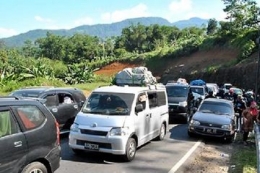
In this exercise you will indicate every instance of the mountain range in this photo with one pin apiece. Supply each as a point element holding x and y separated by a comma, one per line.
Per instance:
<point>101,30</point>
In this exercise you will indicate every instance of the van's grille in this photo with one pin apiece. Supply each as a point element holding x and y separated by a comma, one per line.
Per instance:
<point>93,132</point>
<point>100,145</point>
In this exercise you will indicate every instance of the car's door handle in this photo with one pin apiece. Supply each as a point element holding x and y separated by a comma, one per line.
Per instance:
<point>149,115</point>
<point>54,110</point>
<point>18,144</point>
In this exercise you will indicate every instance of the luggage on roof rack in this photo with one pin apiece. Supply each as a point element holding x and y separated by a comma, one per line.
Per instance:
<point>198,82</point>
<point>138,76</point>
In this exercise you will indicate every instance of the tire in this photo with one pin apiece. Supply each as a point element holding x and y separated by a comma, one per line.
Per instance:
<point>229,139</point>
<point>162,132</point>
<point>130,150</point>
<point>35,167</point>
<point>190,134</point>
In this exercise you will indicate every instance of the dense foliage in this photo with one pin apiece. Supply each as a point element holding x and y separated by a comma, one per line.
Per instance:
<point>73,59</point>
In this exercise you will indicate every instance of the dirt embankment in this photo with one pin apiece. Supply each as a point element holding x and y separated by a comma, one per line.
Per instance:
<point>196,66</point>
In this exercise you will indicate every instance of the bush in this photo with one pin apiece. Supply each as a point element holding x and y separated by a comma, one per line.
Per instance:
<point>13,85</point>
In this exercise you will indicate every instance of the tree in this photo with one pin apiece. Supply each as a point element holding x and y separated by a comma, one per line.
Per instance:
<point>212,26</point>
<point>29,50</point>
<point>241,13</point>
<point>52,46</point>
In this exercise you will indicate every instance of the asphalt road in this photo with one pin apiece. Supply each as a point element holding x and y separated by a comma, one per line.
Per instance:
<point>155,156</point>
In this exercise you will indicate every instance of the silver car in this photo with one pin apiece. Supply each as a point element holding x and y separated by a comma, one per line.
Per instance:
<point>214,118</point>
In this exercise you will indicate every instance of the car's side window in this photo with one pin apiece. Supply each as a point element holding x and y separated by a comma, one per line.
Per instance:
<point>142,99</point>
<point>161,98</point>
<point>51,100</point>
<point>30,116</point>
<point>8,125</point>
<point>153,102</point>
<point>65,98</point>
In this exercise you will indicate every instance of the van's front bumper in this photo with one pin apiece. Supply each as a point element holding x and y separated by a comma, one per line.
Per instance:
<point>176,111</point>
<point>106,144</point>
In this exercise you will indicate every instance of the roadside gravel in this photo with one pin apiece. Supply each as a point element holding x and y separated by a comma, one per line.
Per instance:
<point>210,158</point>
<point>214,156</point>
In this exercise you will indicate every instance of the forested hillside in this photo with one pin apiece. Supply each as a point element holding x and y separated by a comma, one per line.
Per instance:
<point>61,60</point>
<point>102,31</point>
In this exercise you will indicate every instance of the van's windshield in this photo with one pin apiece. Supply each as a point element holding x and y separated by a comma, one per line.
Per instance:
<point>109,103</point>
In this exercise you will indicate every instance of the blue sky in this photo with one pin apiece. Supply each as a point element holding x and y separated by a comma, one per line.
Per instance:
<point>20,16</point>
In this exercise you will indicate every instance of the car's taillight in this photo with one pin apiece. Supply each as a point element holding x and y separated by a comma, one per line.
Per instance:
<point>58,132</point>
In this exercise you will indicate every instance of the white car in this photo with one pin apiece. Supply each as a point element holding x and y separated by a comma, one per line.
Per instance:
<point>118,119</point>
<point>201,90</point>
<point>213,87</point>
<point>226,87</point>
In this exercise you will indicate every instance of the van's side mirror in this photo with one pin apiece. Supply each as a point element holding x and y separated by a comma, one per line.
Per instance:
<point>139,108</point>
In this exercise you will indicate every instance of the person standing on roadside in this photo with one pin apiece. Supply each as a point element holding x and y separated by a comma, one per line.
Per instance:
<point>249,116</point>
<point>240,106</point>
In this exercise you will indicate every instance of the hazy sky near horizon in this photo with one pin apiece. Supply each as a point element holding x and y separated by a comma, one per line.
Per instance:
<point>20,16</point>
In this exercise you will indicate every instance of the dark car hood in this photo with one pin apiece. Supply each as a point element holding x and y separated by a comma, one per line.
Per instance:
<point>176,99</point>
<point>212,118</point>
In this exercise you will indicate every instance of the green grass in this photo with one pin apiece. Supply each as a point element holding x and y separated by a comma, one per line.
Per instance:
<point>90,86</point>
<point>244,157</point>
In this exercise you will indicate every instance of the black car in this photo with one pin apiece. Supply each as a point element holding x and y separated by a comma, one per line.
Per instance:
<point>64,103</point>
<point>179,100</point>
<point>214,118</point>
<point>29,137</point>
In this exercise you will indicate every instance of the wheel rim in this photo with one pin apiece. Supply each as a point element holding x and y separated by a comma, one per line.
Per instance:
<point>36,171</point>
<point>132,149</point>
<point>162,131</point>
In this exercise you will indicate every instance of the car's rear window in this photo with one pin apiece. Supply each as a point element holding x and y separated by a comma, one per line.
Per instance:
<point>30,116</point>
<point>24,93</point>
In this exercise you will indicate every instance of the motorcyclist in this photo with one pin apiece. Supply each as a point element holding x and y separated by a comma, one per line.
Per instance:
<point>210,95</point>
<point>229,95</point>
<point>239,106</point>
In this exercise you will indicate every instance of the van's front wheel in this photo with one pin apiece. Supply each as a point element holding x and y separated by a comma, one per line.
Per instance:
<point>162,132</point>
<point>130,150</point>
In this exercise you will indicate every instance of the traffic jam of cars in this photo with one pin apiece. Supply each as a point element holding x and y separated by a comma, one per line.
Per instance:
<point>112,119</point>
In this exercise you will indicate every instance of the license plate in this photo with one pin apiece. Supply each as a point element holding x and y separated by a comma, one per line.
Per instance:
<point>211,130</point>
<point>91,146</point>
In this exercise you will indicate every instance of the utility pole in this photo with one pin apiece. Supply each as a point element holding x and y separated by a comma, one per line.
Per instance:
<point>258,60</point>
<point>257,65</point>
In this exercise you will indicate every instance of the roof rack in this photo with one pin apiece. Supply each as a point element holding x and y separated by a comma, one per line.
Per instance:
<point>32,87</point>
<point>10,97</point>
<point>156,86</point>
<point>23,98</point>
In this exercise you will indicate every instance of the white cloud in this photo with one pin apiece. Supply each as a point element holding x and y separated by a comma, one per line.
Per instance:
<point>180,6</point>
<point>84,21</point>
<point>138,11</point>
<point>4,32</point>
<point>41,19</point>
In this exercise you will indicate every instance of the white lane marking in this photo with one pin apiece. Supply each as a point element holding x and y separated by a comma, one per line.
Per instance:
<point>184,158</point>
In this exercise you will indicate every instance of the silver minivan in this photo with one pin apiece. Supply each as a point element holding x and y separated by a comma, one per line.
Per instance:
<point>119,119</point>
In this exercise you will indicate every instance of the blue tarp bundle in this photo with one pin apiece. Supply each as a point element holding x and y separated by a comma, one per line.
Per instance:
<point>198,82</point>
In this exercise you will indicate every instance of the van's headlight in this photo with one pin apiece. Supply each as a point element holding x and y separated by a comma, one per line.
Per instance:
<point>226,127</point>
<point>74,127</point>
<point>119,131</point>
<point>183,104</point>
